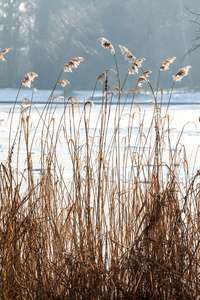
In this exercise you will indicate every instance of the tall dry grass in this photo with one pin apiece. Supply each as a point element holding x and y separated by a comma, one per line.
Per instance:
<point>124,227</point>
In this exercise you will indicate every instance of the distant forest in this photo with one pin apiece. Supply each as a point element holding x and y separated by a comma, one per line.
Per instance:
<point>44,34</point>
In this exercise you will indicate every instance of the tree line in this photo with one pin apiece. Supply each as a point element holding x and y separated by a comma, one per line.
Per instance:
<point>44,34</point>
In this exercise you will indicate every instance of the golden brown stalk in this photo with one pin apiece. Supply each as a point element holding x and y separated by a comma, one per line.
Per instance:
<point>91,103</point>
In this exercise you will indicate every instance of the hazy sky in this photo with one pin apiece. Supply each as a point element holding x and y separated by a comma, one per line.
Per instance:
<point>52,34</point>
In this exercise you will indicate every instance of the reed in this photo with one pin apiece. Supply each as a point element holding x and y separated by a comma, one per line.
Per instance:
<point>124,226</point>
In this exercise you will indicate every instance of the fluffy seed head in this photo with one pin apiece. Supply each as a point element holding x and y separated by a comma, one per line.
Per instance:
<point>106,44</point>
<point>133,69</point>
<point>137,63</point>
<point>73,63</point>
<point>146,73</point>
<point>2,52</point>
<point>127,54</point>
<point>181,73</point>
<point>28,78</point>
<point>32,75</point>
<point>63,82</point>
<point>26,81</point>
<point>2,58</point>
<point>142,79</point>
<point>166,63</point>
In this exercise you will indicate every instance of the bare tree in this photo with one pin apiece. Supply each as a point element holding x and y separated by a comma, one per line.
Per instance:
<point>196,40</point>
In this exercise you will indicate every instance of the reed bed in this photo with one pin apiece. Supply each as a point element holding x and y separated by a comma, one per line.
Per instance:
<point>126,226</point>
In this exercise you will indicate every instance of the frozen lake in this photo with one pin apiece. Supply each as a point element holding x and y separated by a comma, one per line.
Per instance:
<point>184,110</point>
<point>183,98</point>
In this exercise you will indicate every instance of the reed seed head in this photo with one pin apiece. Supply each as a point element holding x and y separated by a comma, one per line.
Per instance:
<point>166,63</point>
<point>62,82</point>
<point>181,73</point>
<point>2,58</point>
<point>2,52</point>
<point>26,81</point>
<point>146,73</point>
<point>107,45</point>
<point>137,63</point>
<point>141,80</point>
<point>28,78</point>
<point>32,75</point>
<point>127,54</point>
<point>73,63</point>
<point>133,69</point>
